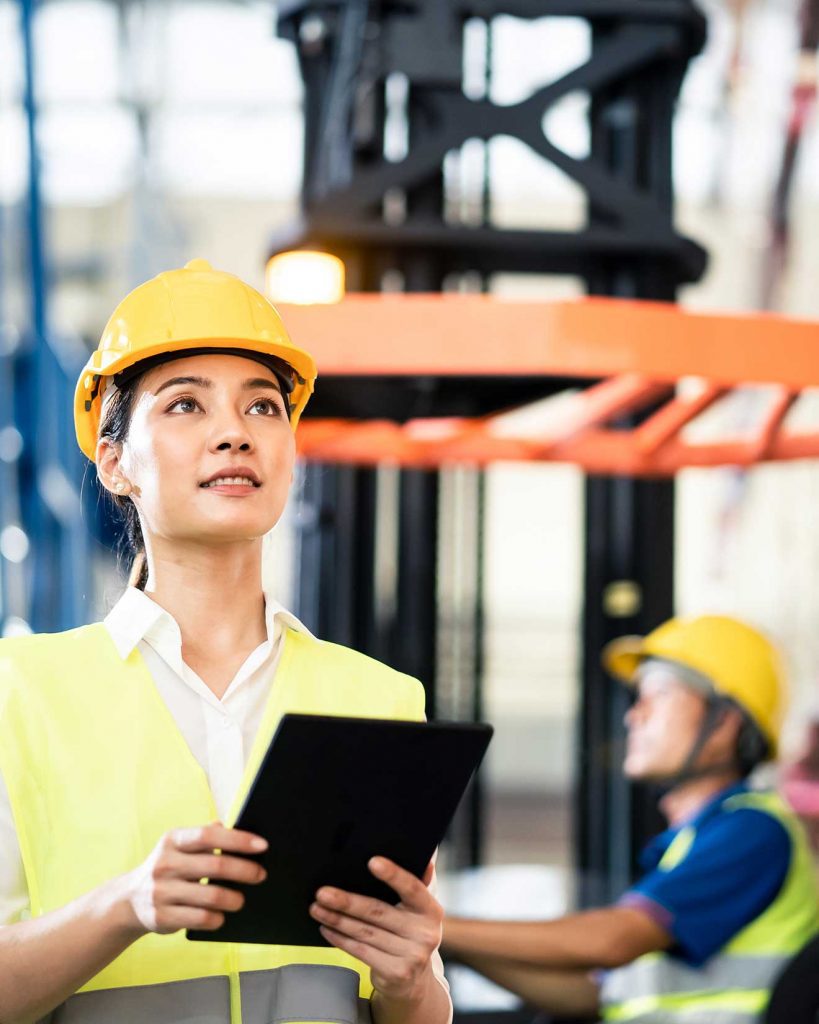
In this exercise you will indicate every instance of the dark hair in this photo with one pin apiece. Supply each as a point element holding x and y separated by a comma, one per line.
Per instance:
<point>115,423</point>
<point>753,747</point>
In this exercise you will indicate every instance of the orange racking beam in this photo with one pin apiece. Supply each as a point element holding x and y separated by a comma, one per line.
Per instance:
<point>641,349</point>
<point>674,415</point>
<point>415,335</point>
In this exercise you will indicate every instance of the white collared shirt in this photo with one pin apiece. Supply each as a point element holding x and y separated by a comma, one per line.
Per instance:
<point>220,733</point>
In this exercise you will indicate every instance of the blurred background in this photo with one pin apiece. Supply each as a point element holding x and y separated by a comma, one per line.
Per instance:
<point>138,134</point>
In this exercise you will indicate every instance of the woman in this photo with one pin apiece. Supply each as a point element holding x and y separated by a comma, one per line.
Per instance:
<point>120,741</point>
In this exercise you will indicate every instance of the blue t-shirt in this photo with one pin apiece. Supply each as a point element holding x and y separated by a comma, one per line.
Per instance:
<point>733,870</point>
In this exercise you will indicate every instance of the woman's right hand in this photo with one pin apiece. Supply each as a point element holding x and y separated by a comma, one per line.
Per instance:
<point>165,893</point>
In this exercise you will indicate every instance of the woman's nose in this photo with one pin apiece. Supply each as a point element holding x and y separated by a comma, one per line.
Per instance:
<point>230,434</point>
<point>226,445</point>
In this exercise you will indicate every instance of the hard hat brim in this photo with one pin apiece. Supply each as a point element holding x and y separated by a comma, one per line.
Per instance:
<point>621,658</point>
<point>88,397</point>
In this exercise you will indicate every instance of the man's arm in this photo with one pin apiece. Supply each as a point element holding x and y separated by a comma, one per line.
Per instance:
<point>609,937</point>
<point>565,993</point>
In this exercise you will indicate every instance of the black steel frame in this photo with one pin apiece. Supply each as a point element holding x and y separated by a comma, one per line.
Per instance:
<point>384,215</point>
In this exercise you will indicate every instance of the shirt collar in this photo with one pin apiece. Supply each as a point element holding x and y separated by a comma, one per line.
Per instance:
<point>654,850</point>
<point>714,805</point>
<point>137,617</point>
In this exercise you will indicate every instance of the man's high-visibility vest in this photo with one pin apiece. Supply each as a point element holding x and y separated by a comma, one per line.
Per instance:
<point>97,771</point>
<point>734,986</point>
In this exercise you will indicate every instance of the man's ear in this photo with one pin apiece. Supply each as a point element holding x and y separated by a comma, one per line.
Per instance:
<point>729,727</point>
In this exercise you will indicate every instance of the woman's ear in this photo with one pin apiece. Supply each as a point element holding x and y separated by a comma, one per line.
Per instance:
<point>108,471</point>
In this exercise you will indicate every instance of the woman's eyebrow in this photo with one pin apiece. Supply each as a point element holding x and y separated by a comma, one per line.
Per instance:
<point>261,382</point>
<point>201,382</point>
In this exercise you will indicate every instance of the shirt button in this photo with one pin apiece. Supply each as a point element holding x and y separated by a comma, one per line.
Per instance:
<point>226,722</point>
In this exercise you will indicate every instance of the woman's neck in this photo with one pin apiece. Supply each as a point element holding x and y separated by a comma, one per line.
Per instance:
<point>215,595</point>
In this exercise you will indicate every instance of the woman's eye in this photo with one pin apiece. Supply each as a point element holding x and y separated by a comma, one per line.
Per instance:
<point>183,405</point>
<point>267,407</point>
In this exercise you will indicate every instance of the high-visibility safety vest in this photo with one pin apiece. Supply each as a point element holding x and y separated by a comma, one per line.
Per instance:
<point>97,771</point>
<point>734,985</point>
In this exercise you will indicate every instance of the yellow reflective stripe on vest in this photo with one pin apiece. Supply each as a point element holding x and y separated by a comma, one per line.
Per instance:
<point>298,992</point>
<point>712,1008</point>
<point>678,849</point>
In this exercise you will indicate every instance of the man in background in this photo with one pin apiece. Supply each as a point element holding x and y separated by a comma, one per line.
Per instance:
<point>728,892</point>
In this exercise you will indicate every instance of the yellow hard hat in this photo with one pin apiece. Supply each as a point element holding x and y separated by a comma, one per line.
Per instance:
<point>737,659</point>
<point>193,308</point>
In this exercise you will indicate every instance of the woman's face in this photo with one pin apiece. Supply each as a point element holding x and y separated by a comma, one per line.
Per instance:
<point>209,452</point>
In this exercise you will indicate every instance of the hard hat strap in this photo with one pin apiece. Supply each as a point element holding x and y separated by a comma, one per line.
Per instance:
<point>714,713</point>
<point>94,392</point>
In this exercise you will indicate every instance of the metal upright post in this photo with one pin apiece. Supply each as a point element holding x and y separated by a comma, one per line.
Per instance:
<point>629,537</point>
<point>336,528</point>
<point>335,593</point>
<point>58,560</point>
<point>38,524</point>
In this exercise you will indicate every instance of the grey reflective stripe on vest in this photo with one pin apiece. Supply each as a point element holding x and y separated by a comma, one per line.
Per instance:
<point>663,976</point>
<point>200,1001</point>
<point>296,992</point>
<point>329,993</point>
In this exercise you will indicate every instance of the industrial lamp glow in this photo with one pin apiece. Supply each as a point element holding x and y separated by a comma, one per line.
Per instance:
<point>305,278</point>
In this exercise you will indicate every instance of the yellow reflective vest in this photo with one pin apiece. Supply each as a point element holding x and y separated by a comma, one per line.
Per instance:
<point>97,771</point>
<point>733,986</point>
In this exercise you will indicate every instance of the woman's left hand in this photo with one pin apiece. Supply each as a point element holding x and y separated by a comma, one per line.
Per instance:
<point>396,943</point>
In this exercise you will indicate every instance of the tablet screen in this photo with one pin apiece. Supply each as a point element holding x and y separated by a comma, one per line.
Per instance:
<point>333,792</point>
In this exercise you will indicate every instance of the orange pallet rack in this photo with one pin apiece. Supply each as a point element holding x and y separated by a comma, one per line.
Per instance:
<point>638,351</point>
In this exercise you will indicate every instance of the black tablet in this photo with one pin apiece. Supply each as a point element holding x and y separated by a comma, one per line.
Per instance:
<point>333,792</point>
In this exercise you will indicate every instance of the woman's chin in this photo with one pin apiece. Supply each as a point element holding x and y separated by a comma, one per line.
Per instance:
<point>223,532</point>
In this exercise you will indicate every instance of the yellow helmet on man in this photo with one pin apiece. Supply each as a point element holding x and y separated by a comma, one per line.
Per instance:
<point>738,660</point>
<point>193,309</point>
